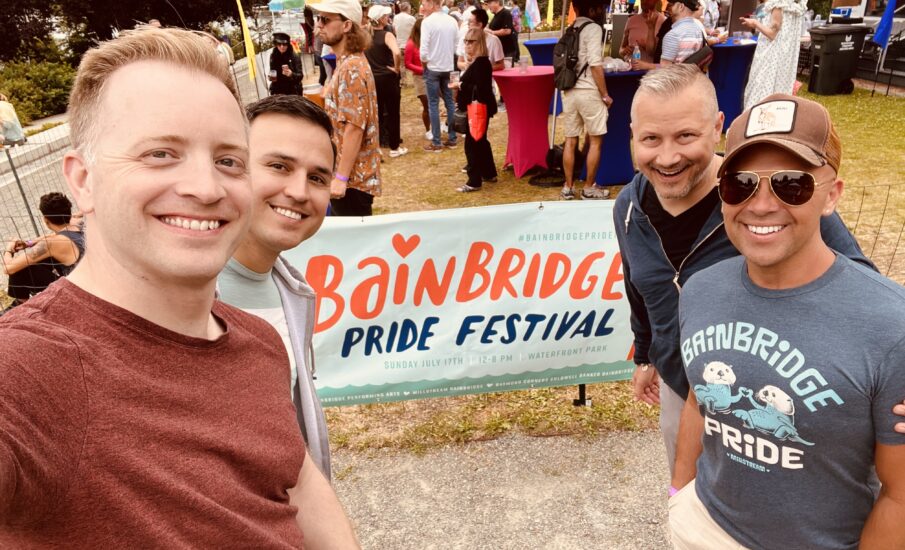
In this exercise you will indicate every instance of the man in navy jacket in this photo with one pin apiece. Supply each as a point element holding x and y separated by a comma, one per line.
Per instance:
<point>669,226</point>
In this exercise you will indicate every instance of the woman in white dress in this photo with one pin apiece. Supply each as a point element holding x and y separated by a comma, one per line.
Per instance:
<point>776,57</point>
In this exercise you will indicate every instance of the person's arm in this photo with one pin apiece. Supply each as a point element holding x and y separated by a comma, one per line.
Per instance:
<point>770,29</point>
<point>645,384</point>
<point>320,516</point>
<point>413,59</point>
<point>624,49</point>
<point>670,49</point>
<point>653,27</point>
<point>600,81</point>
<point>425,42</point>
<point>884,524</point>
<point>14,263</point>
<point>688,444</point>
<point>391,43</point>
<point>355,119</point>
<point>352,140</point>
<point>506,22</point>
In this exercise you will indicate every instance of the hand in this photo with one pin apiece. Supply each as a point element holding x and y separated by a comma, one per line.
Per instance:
<point>628,50</point>
<point>338,188</point>
<point>900,410</point>
<point>646,385</point>
<point>608,101</point>
<point>454,85</point>
<point>394,69</point>
<point>18,245</point>
<point>287,71</point>
<point>642,66</point>
<point>748,22</point>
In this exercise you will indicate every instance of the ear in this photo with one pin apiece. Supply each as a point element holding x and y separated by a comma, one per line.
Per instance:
<point>718,128</point>
<point>76,170</point>
<point>833,196</point>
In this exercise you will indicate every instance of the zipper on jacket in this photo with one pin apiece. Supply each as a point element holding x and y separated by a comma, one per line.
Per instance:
<point>675,279</point>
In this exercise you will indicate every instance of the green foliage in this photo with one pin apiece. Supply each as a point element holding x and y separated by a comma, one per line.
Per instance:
<point>237,41</point>
<point>24,29</point>
<point>37,90</point>
<point>821,7</point>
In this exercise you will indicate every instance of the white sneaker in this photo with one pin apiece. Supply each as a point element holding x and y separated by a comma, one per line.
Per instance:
<point>398,152</point>
<point>428,135</point>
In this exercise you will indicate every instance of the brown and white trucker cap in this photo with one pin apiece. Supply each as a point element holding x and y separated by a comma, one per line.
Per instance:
<point>800,126</point>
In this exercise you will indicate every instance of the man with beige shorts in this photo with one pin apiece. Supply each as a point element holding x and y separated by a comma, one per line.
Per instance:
<point>584,107</point>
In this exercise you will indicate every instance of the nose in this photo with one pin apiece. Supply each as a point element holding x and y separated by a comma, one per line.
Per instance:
<point>763,201</point>
<point>297,188</point>
<point>668,155</point>
<point>203,182</point>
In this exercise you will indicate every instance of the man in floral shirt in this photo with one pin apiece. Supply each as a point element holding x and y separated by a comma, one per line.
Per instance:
<point>351,102</point>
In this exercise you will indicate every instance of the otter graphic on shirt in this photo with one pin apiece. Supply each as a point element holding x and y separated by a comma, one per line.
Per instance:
<point>736,358</point>
<point>717,394</point>
<point>775,416</point>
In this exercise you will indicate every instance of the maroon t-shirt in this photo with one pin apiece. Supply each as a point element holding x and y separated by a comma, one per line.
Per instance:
<point>116,432</point>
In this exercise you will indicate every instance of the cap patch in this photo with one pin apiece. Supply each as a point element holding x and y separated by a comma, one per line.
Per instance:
<point>773,117</point>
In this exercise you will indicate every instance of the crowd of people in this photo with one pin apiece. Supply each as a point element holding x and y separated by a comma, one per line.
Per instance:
<point>767,338</point>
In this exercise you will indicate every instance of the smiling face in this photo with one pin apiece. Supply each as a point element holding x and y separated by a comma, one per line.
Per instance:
<point>781,243</point>
<point>168,194</point>
<point>291,169</point>
<point>673,144</point>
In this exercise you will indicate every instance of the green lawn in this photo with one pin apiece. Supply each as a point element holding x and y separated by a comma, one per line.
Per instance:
<point>873,134</point>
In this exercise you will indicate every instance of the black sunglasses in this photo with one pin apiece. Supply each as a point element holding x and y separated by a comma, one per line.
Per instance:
<point>323,19</point>
<point>792,187</point>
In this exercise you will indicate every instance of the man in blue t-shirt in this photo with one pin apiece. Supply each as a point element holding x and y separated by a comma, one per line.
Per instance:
<point>795,356</point>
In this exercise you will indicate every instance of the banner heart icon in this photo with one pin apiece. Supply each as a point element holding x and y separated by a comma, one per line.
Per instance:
<point>405,246</point>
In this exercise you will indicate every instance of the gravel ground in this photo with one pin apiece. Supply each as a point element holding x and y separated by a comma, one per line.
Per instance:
<point>515,492</point>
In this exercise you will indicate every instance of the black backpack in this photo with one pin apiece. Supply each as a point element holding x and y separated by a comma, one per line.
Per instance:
<point>565,58</point>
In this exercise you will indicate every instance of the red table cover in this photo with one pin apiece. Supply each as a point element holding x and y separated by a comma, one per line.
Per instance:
<point>527,97</point>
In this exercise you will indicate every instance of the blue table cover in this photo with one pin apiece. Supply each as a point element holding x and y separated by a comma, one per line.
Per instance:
<point>729,74</point>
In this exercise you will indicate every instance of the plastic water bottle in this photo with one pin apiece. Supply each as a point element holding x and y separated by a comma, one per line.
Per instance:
<point>636,53</point>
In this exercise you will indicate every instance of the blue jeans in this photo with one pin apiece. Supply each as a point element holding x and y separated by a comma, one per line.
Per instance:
<point>435,83</point>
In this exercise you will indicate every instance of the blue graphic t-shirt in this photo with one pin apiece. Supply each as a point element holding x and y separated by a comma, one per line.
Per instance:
<point>796,387</point>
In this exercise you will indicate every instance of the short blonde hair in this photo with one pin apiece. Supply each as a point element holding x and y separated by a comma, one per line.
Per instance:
<point>178,47</point>
<point>671,80</point>
<point>480,41</point>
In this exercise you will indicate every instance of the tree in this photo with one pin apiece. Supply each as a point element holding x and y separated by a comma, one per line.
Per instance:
<point>99,18</point>
<point>25,29</point>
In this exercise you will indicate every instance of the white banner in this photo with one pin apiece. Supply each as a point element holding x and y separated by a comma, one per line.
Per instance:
<point>438,303</point>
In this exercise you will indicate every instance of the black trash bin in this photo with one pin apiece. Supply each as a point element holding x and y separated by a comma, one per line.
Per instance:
<point>834,58</point>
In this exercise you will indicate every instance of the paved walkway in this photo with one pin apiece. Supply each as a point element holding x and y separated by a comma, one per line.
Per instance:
<point>516,492</point>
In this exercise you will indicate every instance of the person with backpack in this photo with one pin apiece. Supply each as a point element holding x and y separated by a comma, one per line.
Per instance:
<point>578,72</point>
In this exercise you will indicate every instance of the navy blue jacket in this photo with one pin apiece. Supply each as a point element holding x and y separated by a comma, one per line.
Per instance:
<point>652,284</point>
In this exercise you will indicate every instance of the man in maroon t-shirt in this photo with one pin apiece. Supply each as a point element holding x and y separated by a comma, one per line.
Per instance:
<point>135,410</point>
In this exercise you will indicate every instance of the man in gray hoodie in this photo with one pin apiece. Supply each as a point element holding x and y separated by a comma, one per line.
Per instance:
<point>291,165</point>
